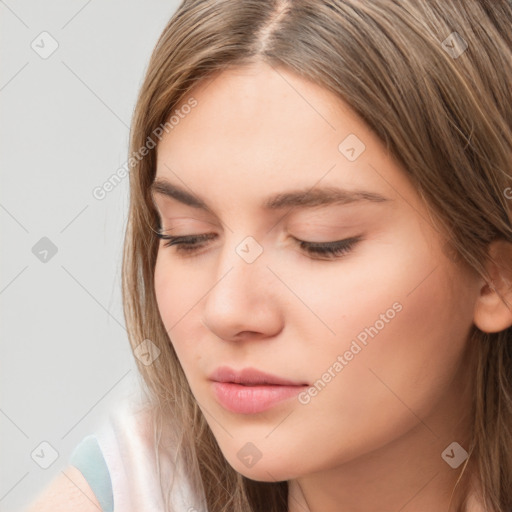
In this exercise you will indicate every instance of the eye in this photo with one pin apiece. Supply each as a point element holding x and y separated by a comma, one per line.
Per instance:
<point>330,250</point>
<point>189,244</point>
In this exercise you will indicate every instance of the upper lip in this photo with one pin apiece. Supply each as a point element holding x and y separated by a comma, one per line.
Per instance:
<point>250,376</point>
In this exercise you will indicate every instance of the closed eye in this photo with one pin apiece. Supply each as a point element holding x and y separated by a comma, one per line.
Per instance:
<point>189,245</point>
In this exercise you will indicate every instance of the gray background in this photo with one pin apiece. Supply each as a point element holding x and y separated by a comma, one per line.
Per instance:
<point>65,357</point>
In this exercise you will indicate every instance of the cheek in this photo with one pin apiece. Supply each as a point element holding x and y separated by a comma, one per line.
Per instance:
<point>401,329</point>
<point>176,296</point>
<point>166,290</point>
<point>177,290</point>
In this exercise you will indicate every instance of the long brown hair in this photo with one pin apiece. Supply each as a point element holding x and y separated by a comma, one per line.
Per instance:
<point>433,80</point>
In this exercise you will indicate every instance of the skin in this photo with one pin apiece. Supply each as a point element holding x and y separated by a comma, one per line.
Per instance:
<point>372,438</point>
<point>68,491</point>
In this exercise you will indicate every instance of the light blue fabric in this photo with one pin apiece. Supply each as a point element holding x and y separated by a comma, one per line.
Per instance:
<point>87,457</point>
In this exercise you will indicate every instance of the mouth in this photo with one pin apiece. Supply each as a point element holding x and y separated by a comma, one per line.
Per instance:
<point>251,391</point>
<point>251,377</point>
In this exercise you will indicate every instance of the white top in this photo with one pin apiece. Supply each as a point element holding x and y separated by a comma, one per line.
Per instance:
<point>126,443</point>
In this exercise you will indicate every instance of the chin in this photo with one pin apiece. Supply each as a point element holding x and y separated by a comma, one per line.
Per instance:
<point>265,470</point>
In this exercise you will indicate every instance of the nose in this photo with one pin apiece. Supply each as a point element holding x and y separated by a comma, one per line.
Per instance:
<point>243,301</point>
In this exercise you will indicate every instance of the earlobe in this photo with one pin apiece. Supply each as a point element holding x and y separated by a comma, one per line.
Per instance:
<point>493,309</point>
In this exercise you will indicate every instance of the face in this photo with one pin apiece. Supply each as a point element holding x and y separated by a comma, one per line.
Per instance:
<point>282,172</point>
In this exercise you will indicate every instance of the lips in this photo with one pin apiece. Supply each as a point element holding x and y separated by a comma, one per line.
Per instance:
<point>251,391</point>
<point>251,377</point>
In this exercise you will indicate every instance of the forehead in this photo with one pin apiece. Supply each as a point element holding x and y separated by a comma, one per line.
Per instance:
<point>259,129</point>
<point>258,109</point>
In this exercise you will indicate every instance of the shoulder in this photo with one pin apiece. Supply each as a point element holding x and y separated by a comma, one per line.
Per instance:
<point>69,491</point>
<point>100,465</point>
<point>129,462</point>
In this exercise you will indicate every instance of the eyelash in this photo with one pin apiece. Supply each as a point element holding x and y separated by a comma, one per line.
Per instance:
<point>188,244</point>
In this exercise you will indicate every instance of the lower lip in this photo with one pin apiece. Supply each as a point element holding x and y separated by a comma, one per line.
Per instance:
<point>252,399</point>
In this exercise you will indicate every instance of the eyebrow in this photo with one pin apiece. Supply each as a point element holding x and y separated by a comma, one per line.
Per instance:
<point>302,198</point>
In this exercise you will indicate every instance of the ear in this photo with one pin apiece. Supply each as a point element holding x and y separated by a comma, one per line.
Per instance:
<point>493,309</point>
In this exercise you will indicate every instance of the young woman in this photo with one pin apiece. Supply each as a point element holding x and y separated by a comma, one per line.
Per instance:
<point>318,264</point>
